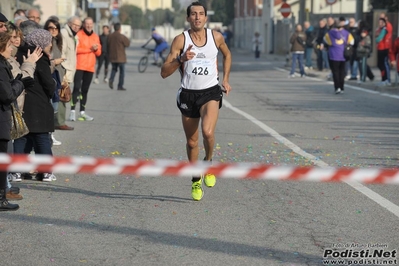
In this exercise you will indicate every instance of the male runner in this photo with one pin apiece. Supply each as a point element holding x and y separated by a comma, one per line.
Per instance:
<point>194,53</point>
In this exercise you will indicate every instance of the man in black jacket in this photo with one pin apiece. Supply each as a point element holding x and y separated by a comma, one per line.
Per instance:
<point>103,58</point>
<point>309,31</point>
<point>322,57</point>
<point>353,29</point>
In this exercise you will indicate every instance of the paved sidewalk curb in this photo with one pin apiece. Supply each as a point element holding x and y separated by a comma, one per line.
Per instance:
<point>286,64</point>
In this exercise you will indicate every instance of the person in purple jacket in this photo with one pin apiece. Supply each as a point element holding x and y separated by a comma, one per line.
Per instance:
<point>336,39</point>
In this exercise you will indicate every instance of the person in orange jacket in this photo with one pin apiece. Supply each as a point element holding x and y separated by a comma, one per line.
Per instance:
<point>394,53</point>
<point>88,48</point>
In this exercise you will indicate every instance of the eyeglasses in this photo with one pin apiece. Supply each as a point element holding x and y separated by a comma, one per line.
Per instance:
<point>33,17</point>
<point>2,25</point>
<point>76,25</point>
<point>52,28</point>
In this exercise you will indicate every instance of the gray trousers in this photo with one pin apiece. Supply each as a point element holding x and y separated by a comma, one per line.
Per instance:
<point>59,117</point>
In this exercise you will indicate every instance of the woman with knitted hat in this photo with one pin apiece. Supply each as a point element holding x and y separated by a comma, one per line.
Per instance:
<point>27,69</point>
<point>38,111</point>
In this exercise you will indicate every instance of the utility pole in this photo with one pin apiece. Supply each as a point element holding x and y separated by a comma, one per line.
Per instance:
<point>302,10</point>
<point>359,10</point>
<point>267,22</point>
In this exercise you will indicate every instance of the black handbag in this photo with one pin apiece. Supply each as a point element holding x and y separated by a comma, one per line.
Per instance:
<point>348,50</point>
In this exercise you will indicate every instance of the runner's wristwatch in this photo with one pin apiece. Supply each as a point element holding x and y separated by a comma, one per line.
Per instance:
<point>179,59</point>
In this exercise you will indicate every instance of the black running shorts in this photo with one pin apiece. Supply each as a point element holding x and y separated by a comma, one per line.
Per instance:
<point>190,101</point>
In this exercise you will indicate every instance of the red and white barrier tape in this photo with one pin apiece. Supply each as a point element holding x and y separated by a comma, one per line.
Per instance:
<point>117,166</point>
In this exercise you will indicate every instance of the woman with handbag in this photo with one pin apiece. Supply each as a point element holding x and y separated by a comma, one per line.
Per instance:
<point>10,89</point>
<point>38,111</point>
<point>54,27</point>
<point>27,69</point>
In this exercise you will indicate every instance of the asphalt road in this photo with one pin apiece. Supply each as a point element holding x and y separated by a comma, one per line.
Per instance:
<point>138,220</point>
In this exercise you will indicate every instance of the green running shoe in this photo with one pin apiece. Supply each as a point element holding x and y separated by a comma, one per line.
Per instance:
<point>84,117</point>
<point>196,190</point>
<point>210,180</point>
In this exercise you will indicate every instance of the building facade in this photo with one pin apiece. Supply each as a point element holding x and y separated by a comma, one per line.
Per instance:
<point>264,16</point>
<point>149,4</point>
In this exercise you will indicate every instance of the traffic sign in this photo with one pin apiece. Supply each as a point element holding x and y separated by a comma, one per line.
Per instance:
<point>331,2</point>
<point>115,4</point>
<point>98,5</point>
<point>115,12</point>
<point>287,21</point>
<point>285,10</point>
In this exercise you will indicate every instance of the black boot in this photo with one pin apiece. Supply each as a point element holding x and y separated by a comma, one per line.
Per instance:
<point>4,204</point>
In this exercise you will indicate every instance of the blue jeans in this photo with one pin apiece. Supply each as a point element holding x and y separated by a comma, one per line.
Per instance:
<point>308,55</point>
<point>40,142</point>
<point>388,68</point>
<point>115,67</point>
<point>325,59</point>
<point>299,57</point>
<point>354,69</point>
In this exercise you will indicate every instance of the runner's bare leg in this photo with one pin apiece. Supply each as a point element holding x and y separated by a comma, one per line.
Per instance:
<point>209,117</point>
<point>190,126</point>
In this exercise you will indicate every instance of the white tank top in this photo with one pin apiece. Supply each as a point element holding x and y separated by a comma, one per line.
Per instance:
<point>201,72</point>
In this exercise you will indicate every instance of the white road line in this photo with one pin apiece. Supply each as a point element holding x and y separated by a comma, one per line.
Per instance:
<point>347,85</point>
<point>356,185</point>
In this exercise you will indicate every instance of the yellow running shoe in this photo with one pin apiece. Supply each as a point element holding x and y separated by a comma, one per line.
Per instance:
<point>196,190</point>
<point>210,180</point>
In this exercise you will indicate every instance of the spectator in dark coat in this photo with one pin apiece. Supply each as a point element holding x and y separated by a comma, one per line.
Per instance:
<point>353,62</point>
<point>362,53</point>
<point>298,44</point>
<point>310,36</point>
<point>10,89</point>
<point>38,111</point>
<point>117,44</point>
<point>103,58</point>
<point>322,57</point>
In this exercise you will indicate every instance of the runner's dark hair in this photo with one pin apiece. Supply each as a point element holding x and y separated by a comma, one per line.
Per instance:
<point>197,3</point>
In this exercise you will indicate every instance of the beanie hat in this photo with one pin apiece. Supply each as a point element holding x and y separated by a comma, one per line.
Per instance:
<point>39,37</point>
<point>3,18</point>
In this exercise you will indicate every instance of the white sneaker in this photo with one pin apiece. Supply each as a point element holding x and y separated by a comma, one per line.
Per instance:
<point>306,68</point>
<point>14,177</point>
<point>72,115</point>
<point>387,83</point>
<point>292,76</point>
<point>85,117</point>
<point>338,91</point>
<point>55,142</point>
<point>96,81</point>
<point>106,80</point>
<point>347,77</point>
<point>47,177</point>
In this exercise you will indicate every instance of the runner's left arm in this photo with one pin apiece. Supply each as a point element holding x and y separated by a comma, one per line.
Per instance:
<point>221,44</point>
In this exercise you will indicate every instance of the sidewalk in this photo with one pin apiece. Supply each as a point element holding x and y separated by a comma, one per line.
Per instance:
<point>285,62</point>
<point>370,85</point>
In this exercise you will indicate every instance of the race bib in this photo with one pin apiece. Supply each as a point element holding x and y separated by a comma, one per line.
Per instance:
<point>201,67</point>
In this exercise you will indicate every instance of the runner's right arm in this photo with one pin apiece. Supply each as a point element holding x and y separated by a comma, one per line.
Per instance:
<point>174,59</point>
